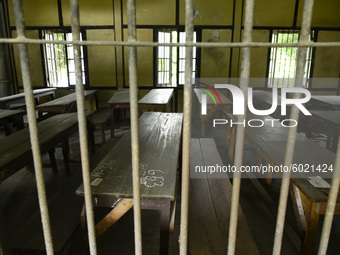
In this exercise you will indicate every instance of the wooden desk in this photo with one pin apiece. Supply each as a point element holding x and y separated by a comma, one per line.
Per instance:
<point>160,138</point>
<point>6,102</point>
<point>324,103</point>
<point>12,116</point>
<point>65,104</point>
<point>15,150</point>
<point>309,202</point>
<point>157,100</point>
<point>226,107</point>
<point>331,124</point>
<point>120,100</point>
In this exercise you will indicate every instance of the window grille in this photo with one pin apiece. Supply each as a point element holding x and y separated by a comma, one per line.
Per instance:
<point>171,60</point>
<point>283,60</point>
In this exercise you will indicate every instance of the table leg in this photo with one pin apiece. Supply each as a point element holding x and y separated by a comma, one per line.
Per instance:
<point>165,223</point>
<point>53,161</point>
<point>66,149</point>
<point>112,110</point>
<point>312,224</point>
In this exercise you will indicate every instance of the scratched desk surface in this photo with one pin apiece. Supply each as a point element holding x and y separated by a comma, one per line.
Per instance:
<point>159,136</point>
<point>157,96</point>
<point>121,96</point>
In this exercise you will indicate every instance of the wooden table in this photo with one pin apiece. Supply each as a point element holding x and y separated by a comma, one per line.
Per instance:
<point>6,102</point>
<point>15,150</point>
<point>66,104</point>
<point>12,116</point>
<point>324,103</point>
<point>331,122</point>
<point>157,100</point>
<point>308,201</point>
<point>120,100</point>
<point>160,138</point>
<point>226,107</point>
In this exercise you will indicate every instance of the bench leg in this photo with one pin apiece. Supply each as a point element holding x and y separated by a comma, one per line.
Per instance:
<point>102,129</point>
<point>53,161</point>
<point>66,150</point>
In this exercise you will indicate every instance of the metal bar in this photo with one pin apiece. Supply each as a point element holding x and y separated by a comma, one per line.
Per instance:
<point>244,81</point>
<point>33,128</point>
<point>189,44</point>
<point>189,32</point>
<point>131,5</point>
<point>332,199</point>
<point>82,125</point>
<point>304,37</point>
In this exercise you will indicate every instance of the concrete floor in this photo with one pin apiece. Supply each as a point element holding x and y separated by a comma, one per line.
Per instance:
<point>19,204</point>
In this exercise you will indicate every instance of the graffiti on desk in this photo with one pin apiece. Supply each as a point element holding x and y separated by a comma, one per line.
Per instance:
<point>152,178</point>
<point>106,165</point>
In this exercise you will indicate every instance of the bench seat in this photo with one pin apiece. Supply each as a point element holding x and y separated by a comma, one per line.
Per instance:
<point>209,207</point>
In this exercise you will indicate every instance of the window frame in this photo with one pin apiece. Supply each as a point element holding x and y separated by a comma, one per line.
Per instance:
<point>66,32</point>
<point>156,58</point>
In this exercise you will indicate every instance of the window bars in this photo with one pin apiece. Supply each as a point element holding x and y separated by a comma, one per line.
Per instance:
<point>302,44</point>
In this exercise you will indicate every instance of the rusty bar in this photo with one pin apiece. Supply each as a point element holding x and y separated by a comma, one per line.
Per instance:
<point>244,82</point>
<point>82,125</point>
<point>33,128</point>
<point>302,52</point>
<point>189,33</point>
<point>191,44</point>
<point>131,5</point>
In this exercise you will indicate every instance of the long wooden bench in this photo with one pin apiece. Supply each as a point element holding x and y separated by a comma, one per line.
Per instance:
<point>100,118</point>
<point>16,151</point>
<point>209,207</point>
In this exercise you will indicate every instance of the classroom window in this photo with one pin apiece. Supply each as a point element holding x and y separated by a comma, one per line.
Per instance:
<point>59,60</point>
<point>283,60</point>
<point>171,60</point>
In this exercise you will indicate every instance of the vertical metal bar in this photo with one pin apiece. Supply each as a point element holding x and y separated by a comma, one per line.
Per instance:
<point>332,199</point>
<point>244,81</point>
<point>189,32</point>
<point>131,5</point>
<point>33,128</point>
<point>82,125</point>
<point>305,30</point>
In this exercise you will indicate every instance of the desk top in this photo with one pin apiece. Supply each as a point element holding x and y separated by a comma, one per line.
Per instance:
<point>9,113</point>
<point>159,137</point>
<point>332,117</point>
<point>324,103</point>
<point>121,96</point>
<point>210,101</point>
<point>63,102</point>
<point>18,146</point>
<point>157,96</point>
<point>21,96</point>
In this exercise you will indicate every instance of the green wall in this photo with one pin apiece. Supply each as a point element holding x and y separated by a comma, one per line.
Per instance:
<point>215,21</point>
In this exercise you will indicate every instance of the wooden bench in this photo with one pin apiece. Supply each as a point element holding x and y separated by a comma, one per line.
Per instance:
<point>160,137</point>
<point>100,118</point>
<point>16,152</point>
<point>209,207</point>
